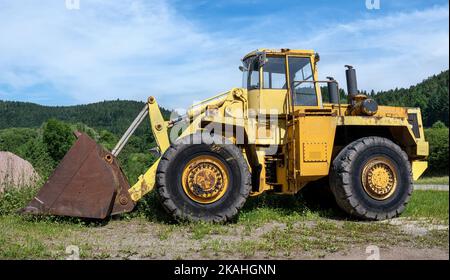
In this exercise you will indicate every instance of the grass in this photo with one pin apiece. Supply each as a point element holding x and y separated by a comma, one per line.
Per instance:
<point>201,229</point>
<point>28,238</point>
<point>14,199</point>
<point>285,208</point>
<point>438,180</point>
<point>428,204</point>
<point>306,227</point>
<point>322,238</point>
<point>296,225</point>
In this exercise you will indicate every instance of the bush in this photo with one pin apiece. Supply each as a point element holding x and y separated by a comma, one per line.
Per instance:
<point>81,127</point>
<point>13,199</point>
<point>27,144</point>
<point>438,159</point>
<point>136,164</point>
<point>36,153</point>
<point>439,125</point>
<point>107,139</point>
<point>12,139</point>
<point>58,138</point>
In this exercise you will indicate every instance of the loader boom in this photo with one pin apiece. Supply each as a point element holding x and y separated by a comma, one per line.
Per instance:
<point>146,182</point>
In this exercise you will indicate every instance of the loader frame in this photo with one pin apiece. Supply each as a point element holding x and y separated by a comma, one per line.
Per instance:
<point>313,160</point>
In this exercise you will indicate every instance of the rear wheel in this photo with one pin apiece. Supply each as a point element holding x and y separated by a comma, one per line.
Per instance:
<point>208,182</point>
<point>371,179</point>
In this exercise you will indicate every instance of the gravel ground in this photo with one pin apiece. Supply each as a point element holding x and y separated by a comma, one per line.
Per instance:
<point>138,239</point>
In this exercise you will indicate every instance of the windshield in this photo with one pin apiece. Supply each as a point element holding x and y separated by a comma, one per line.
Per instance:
<point>250,75</point>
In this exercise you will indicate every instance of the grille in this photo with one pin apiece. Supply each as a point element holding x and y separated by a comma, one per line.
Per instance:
<point>412,119</point>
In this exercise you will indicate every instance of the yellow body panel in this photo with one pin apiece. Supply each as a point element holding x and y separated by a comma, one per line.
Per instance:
<point>272,100</point>
<point>418,168</point>
<point>145,183</point>
<point>315,145</point>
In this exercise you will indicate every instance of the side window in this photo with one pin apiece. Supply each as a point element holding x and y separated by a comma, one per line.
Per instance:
<point>253,79</point>
<point>300,69</point>
<point>274,73</point>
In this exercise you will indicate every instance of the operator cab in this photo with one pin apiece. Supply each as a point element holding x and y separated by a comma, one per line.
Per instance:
<point>270,75</point>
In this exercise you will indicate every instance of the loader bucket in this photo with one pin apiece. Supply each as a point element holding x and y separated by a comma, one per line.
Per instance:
<point>87,183</point>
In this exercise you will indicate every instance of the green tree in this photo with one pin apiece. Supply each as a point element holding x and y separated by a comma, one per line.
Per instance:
<point>136,164</point>
<point>438,141</point>
<point>58,138</point>
<point>27,143</point>
<point>107,139</point>
<point>36,153</point>
<point>12,139</point>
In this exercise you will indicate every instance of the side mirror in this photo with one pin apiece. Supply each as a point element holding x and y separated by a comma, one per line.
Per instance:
<point>242,68</point>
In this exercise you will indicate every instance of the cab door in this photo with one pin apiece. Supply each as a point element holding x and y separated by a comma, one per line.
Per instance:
<point>275,87</point>
<point>272,101</point>
<point>311,129</point>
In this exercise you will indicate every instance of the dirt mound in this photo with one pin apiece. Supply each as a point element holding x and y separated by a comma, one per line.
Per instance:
<point>15,172</point>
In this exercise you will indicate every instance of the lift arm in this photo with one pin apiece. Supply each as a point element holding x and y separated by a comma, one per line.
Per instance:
<point>146,182</point>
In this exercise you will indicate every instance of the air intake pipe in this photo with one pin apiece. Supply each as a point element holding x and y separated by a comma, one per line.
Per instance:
<point>333,90</point>
<point>352,85</point>
<point>360,103</point>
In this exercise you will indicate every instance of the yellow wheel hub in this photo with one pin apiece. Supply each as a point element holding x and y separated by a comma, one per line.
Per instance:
<point>205,179</point>
<point>379,178</point>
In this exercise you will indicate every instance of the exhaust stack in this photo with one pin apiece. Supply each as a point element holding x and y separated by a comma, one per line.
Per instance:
<point>352,85</point>
<point>360,103</point>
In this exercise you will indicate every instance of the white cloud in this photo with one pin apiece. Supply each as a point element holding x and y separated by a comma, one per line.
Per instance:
<point>131,49</point>
<point>398,50</point>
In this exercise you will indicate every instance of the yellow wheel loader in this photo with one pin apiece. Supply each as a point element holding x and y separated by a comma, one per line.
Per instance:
<point>284,128</point>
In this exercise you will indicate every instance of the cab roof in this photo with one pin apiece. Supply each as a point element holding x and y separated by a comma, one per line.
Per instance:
<point>281,52</point>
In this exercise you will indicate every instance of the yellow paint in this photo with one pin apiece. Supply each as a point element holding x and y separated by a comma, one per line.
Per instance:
<point>272,100</point>
<point>146,182</point>
<point>158,125</point>
<point>282,52</point>
<point>379,178</point>
<point>205,179</point>
<point>372,121</point>
<point>315,145</point>
<point>418,168</point>
<point>422,149</point>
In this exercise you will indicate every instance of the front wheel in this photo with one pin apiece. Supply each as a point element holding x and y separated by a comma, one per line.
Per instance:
<point>371,179</point>
<point>207,182</point>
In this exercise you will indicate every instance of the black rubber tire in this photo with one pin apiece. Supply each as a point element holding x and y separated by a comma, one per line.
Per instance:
<point>346,184</point>
<point>170,190</point>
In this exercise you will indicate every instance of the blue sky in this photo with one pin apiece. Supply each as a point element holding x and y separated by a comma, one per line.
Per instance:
<point>185,51</point>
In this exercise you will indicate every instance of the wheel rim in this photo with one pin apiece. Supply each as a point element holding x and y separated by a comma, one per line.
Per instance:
<point>379,178</point>
<point>205,179</point>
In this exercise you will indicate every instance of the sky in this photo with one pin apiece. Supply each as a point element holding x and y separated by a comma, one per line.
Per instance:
<point>66,52</point>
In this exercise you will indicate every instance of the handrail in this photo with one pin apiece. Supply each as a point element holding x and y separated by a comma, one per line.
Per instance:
<point>294,83</point>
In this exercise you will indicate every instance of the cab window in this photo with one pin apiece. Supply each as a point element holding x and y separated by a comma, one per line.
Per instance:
<point>301,77</point>
<point>250,73</point>
<point>274,73</point>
